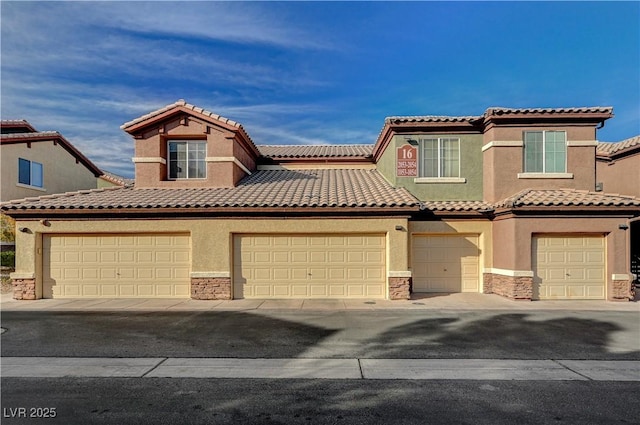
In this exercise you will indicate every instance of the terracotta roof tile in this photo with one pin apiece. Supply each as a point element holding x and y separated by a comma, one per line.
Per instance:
<point>184,104</point>
<point>495,110</point>
<point>609,148</point>
<point>457,206</point>
<point>263,189</point>
<point>316,151</point>
<point>31,135</point>
<point>567,197</point>
<point>430,118</point>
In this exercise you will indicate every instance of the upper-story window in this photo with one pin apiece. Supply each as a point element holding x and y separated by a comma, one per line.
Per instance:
<point>440,157</point>
<point>187,159</point>
<point>545,152</point>
<point>30,173</point>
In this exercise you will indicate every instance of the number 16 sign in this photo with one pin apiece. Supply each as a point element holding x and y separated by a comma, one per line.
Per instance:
<point>407,161</point>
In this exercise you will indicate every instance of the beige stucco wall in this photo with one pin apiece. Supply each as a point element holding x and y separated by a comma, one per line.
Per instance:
<point>512,240</point>
<point>61,173</point>
<point>503,163</point>
<point>621,176</point>
<point>211,239</point>
<point>482,228</point>
<point>221,143</point>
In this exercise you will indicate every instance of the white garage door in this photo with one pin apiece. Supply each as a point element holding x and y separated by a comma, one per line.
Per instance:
<point>568,267</point>
<point>116,266</point>
<point>309,266</point>
<point>445,263</point>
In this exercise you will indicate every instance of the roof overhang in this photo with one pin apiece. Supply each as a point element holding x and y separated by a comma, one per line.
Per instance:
<point>56,138</point>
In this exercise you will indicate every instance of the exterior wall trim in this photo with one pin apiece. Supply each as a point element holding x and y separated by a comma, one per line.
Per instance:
<point>206,275</point>
<point>582,143</point>
<point>545,175</point>
<point>143,159</point>
<point>318,166</point>
<point>22,275</point>
<point>439,180</point>
<point>228,159</point>
<point>400,273</point>
<point>512,273</point>
<point>503,143</point>
<point>619,277</point>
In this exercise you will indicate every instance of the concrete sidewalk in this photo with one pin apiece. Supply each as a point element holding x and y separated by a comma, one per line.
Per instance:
<point>454,301</point>
<point>304,368</point>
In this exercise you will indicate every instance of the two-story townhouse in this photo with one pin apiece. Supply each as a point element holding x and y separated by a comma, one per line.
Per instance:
<point>36,163</point>
<point>498,203</point>
<point>618,171</point>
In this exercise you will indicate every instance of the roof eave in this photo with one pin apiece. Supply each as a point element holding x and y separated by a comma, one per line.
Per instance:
<point>58,138</point>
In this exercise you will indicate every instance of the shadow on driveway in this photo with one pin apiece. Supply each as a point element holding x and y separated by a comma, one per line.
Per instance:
<point>344,334</point>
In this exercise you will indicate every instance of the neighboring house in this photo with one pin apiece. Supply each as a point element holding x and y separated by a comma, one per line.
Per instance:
<point>110,179</point>
<point>618,171</point>
<point>36,163</point>
<point>502,203</point>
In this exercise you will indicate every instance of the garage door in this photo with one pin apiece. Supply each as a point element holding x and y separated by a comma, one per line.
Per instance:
<point>445,263</point>
<point>568,267</point>
<point>116,266</point>
<point>309,266</point>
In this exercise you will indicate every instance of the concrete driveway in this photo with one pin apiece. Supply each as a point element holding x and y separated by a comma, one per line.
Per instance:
<point>456,301</point>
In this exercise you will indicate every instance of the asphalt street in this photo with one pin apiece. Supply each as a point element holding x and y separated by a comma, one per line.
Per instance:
<point>393,367</point>
<point>300,401</point>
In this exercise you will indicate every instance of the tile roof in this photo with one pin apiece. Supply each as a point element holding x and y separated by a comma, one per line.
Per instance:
<point>495,110</point>
<point>117,179</point>
<point>186,105</point>
<point>30,135</point>
<point>316,151</point>
<point>343,188</point>
<point>429,118</point>
<point>456,206</point>
<point>566,198</point>
<point>609,148</point>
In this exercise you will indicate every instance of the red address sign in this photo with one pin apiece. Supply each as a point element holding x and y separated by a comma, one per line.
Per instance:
<point>407,161</point>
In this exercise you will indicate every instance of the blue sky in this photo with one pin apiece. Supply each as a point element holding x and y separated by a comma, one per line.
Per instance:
<point>310,72</point>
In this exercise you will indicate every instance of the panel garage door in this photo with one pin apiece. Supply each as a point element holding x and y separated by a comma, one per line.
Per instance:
<point>309,266</point>
<point>116,266</point>
<point>445,263</point>
<point>568,267</point>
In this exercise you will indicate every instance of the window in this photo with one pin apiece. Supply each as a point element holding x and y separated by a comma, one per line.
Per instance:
<point>29,173</point>
<point>440,157</point>
<point>187,159</point>
<point>545,151</point>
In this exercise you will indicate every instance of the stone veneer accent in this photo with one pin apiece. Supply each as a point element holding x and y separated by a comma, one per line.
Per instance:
<point>24,289</point>
<point>400,288</point>
<point>211,288</point>
<point>623,290</point>
<point>512,287</point>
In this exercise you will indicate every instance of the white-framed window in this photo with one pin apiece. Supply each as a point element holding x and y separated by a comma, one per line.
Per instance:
<point>545,152</point>
<point>30,173</point>
<point>187,159</point>
<point>440,157</point>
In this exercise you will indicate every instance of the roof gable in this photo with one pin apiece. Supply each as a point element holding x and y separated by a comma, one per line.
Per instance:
<point>56,138</point>
<point>182,107</point>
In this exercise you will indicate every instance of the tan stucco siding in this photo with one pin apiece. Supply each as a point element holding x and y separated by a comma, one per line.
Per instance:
<point>151,155</point>
<point>621,176</point>
<point>512,239</point>
<point>504,163</point>
<point>61,172</point>
<point>212,239</point>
